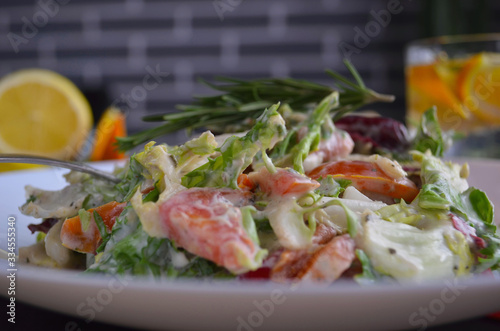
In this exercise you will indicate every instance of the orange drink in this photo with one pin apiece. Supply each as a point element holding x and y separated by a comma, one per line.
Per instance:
<point>461,77</point>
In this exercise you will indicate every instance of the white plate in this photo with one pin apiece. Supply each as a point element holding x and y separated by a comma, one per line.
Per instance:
<point>185,305</point>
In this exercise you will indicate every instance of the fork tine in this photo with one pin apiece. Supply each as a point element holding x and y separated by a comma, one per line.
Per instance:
<point>77,166</point>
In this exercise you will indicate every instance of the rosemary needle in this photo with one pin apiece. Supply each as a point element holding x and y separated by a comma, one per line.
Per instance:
<point>242,101</point>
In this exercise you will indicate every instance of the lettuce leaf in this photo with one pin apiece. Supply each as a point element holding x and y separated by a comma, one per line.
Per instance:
<point>287,220</point>
<point>315,132</point>
<point>132,177</point>
<point>330,187</point>
<point>485,228</point>
<point>429,135</point>
<point>442,184</point>
<point>444,189</point>
<point>400,213</point>
<point>368,275</point>
<point>131,251</point>
<point>405,252</point>
<point>237,153</point>
<point>189,155</point>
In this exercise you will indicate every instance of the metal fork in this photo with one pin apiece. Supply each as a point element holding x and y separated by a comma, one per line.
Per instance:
<point>77,166</point>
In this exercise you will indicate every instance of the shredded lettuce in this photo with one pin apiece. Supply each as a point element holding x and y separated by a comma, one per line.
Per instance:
<point>131,251</point>
<point>482,206</point>
<point>286,217</point>
<point>237,153</point>
<point>400,213</point>
<point>158,166</point>
<point>480,216</point>
<point>131,178</point>
<point>156,162</point>
<point>152,195</point>
<point>445,189</point>
<point>458,245</point>
<point>102,230</point>
<point>330,187</point>
<point>84,219</point>
<point>368,274</point>
<point>405,252</point>
<point>249,223</point>
<point>299,151</point>
<point>429,135</point>
<point>189,155</point>
<point>351,217</point>
<point>442,183</point>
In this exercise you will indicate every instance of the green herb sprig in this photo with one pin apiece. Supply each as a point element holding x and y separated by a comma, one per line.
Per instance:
<point>244,101</point>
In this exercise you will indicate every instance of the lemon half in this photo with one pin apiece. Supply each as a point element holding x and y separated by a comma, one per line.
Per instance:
<point>42,113</point>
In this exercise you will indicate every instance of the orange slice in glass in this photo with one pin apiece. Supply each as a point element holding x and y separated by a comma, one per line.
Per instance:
<point>479,87</point>
<point>427,88</point>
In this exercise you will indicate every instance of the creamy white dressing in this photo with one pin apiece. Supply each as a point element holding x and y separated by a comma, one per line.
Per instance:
<point>161,167</point>
<point>287,223</point>
<point>336,214</point>
<point>179,259</point>
<point>64,257</point>
<point>454,176</point>
<point>276,121</point>
<point>406,252</point>
<point>352,193</point>
<point>219,139</point>
<point>125,228</point>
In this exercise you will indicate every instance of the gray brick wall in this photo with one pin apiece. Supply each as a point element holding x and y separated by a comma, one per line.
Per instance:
<point>107,47</point>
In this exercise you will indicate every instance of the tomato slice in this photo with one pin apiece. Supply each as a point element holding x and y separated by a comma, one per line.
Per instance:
<point>283,182</point>
<point>207,223</point>
<point>75,238</point>
<point>368,178</point>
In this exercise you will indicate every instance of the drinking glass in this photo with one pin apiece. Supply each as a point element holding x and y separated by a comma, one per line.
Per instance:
<point>460,75</point>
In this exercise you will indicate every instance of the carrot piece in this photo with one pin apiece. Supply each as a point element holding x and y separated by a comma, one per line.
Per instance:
<point>245,183</point>
<point>367,177</point>
<point>88,240</point>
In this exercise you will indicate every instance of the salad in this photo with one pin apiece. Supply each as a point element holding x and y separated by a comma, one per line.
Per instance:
<point>318,195</point>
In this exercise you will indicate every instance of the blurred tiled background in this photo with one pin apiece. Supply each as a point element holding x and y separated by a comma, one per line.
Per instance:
<point>108,47</point>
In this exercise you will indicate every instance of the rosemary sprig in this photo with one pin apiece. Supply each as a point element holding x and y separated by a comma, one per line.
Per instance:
<point>243,101</point>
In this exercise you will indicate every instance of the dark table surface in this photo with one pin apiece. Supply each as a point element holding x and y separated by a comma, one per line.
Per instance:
<point>29,317</point>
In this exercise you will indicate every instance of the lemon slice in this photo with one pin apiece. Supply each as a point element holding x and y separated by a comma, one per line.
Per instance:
<point>479,87</point>
<point>42,113</point>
